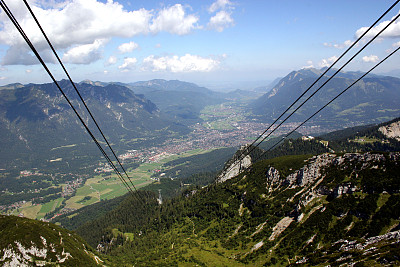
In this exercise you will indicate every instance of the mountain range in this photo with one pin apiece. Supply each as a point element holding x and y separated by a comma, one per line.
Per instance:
<point>181,100</point>
<point>148,112</point>
<point>374,99</point>
<point>37,124</point>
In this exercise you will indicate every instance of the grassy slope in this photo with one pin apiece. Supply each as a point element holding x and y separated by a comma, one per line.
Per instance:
<point>56,240</point>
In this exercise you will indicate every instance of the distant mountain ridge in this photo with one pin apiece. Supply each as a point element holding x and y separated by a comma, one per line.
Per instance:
<point>372,100</point>
<point>35,118</point>
<point>171,85</point>
<point>181,100</point>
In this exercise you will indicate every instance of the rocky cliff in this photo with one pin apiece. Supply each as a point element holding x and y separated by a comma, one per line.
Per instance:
<point>392,130</point>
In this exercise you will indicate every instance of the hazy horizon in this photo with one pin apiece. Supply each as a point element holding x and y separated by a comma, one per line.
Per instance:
<point>205,42</point>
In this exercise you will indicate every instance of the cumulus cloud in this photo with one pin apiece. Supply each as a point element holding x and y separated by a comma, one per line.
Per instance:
<point>327,62</point>
<point>371,58</point>
<point>28,71</point>
<point>223,18</point>
<point>186,63</point>
<point>78,22</point>
<point>220,21</point>
<point>84,54</point>
<point>220,4</point>
<point>174,20</point>
<point>75,23</point>
<point>111,60</point>
<point>3,78</point>
<point>129,64</point>
<point>128,47</point>
<point>393,31</point>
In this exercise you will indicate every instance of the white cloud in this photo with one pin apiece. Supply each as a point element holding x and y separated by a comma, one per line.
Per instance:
<point>339,46</point>
<point>220,21</point>
<point>174,20</point>
<point>3,78</point>
<point>394,47</point>
<point>309,65</point>
<point>348,43</point>
<point>220,4</point>
<point>129,64</point>
<point>78,22</point>
<point>84,54</point>
<point>128,47</point>
<point>158,46</point>
<point>111,60</point>
<point>28,71</point>
<point>75,23</point>
<point>371,58</point>
<point>393,31</point>
<point>186,63</point>
<point>327,62</point>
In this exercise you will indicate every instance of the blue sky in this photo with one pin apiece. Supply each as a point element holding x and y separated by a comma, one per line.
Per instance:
<point>206,42</point>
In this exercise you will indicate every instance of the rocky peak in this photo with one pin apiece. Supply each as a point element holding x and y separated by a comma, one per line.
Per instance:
<point>310,172</point>
<point>237,164</point>
<point>273,179</point>
<point>392,130</point>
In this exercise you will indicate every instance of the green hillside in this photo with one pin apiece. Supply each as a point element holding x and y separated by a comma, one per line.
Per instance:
<point>284,210</point>
<point>26,242</point>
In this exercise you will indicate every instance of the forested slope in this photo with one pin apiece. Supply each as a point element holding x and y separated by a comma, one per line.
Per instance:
<point>283,210</point>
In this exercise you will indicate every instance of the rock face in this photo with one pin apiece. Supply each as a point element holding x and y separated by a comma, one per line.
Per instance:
<point>23,256</point>
<point>273,179</point>
<point>391,130</point>
<point>309,173</point>
<point>235,166</point>
<point>354,245</point>
<point>280,227</point>
<point>313,171</point>
<point>234,169</point>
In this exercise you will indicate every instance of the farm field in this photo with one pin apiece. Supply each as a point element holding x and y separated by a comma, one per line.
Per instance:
<point>101,187</point>
<point>221,117</point>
